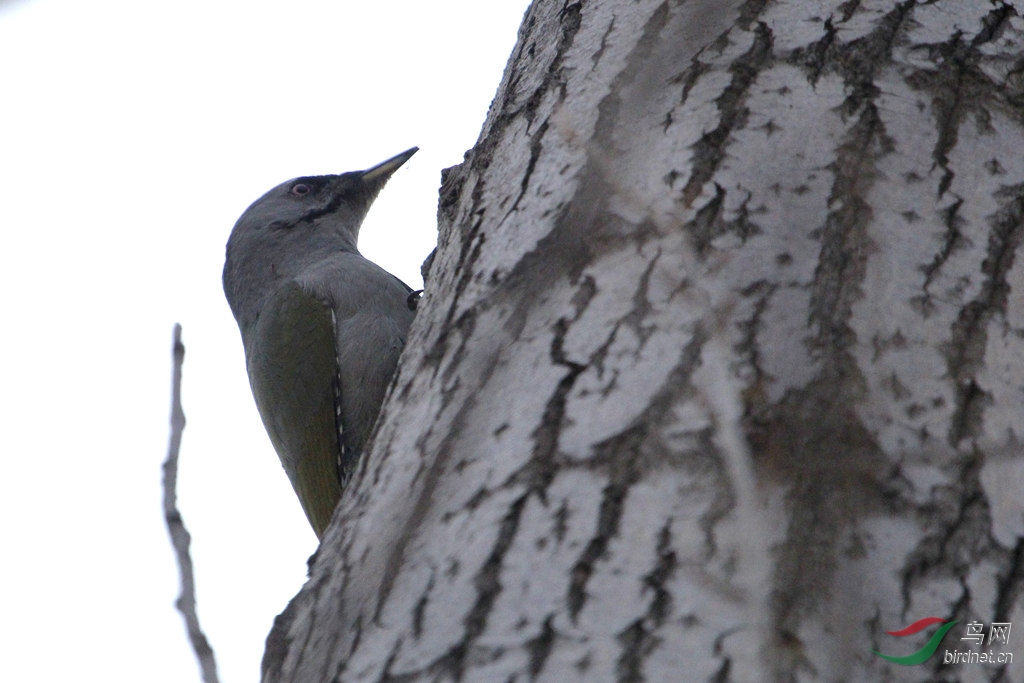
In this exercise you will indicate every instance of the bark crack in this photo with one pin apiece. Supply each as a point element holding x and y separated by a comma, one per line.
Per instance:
<point>610,513</point>
<point>536,147</point>
<point>848,9</point>
<point>959,87</point>
<point>596,57</point>
<point>709,223</point>
<point>748,346</point>
<point>420,608</point>
<point>570,18</point>
<point>488,586</point>
<point>385,675</point>
<point>709,151</point>
<point>960,514</point>
<point>953,240</point>
<point>1009,586</point>
<point>688,79</point>
<point>638,639</point>
<point>993,24</point>
<point>817,56</point>
<point>845,241</point>
<point>540,647</point>
<point>423,493</point>
<point>546,435</point>
<point>661,602</point>
<point>749,12</point>
<point>621,454</point>
<point>636,642</point>
<point>965,352</point>
<point>857,61</point>
<point>845,244</point>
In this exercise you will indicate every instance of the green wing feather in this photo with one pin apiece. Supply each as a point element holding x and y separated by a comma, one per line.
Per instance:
<point>292,366</point>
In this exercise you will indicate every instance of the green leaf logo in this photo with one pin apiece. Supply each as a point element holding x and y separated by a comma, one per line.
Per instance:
<point>930,647</point>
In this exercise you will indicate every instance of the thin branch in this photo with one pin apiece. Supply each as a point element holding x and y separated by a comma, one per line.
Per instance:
<point>180,538</point>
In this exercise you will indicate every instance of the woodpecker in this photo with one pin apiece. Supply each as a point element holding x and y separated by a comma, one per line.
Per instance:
<point>321,325</point>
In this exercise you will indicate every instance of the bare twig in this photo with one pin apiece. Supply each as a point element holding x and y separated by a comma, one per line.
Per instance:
<point>180,538</point>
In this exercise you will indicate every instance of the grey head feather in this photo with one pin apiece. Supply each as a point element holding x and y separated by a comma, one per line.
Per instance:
<point>293,226</point>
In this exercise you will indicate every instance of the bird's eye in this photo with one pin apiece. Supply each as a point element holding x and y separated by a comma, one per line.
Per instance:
<point>301,189</point>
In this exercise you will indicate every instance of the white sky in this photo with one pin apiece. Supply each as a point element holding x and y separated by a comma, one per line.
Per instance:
<point>132,135</point>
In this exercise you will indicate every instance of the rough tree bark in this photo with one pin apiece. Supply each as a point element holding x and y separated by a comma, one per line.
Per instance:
<point>718,370</point>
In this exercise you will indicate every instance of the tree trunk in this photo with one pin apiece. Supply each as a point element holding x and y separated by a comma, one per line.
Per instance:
<point>718,366</point>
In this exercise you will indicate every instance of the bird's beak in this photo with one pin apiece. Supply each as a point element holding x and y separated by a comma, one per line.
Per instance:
<point>382,171</point>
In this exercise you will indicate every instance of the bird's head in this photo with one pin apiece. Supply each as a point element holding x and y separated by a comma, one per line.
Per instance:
<point>296,224</point>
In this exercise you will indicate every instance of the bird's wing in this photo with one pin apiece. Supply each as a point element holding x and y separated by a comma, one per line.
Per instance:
<point>369,344</point>
<point>293,370</point>
<point>372,319</point>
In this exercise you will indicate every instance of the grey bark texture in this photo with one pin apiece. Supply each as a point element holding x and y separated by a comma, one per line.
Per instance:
<point>719,366</point>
